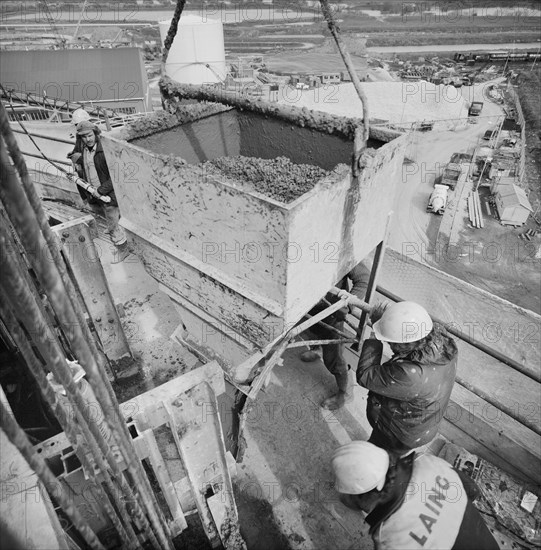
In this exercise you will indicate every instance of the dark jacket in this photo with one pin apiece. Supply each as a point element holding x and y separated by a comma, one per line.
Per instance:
<point>358,278</point>
<point>408,395</point>
<point>433,514</point>
<point>106,187</point>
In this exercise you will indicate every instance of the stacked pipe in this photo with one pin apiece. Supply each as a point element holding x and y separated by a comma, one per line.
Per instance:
<point>23,223</point>
<point>474,210</point>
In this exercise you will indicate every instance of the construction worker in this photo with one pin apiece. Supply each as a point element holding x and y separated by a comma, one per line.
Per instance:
<point>333,354</point>
<point>409,393</point>
<point>78,116</point>
<point>414,502</point>
<point>92,166</point>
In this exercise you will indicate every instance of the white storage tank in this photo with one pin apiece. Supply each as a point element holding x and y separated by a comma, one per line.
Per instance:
<point>197,55</point>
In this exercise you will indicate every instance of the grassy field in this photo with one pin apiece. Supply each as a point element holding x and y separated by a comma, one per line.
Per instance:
<point>410,29</point>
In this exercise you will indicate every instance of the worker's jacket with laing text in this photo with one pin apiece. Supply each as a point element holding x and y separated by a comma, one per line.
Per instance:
<point>432,510</point>
<point>409,394</point>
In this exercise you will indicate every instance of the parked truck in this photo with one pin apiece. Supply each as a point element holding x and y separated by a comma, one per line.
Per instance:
<point>475,108</point>
<point>438,200</point>
<point>450,175</point>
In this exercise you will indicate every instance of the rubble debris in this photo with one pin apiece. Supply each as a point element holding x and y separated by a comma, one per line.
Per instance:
<point>277,178</point>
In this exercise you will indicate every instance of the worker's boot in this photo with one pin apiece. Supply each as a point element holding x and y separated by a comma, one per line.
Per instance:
<point>122,251</point>
<point>344,395</point>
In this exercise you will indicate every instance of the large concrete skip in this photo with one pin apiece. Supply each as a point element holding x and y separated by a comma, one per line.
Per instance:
<point>240,266</point>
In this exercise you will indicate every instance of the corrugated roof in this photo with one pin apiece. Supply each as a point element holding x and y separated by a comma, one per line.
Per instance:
<point>96,74</point>
<point>512,195</point>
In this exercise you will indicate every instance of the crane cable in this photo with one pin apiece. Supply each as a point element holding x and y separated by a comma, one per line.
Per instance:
<point>172,32</point>
<point>335,31</point>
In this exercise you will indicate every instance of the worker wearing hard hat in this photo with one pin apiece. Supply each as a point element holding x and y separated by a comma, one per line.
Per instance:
<point>413,502</point>
<point>409,393</point>
<point>74,155</point>
<point>92,167</point>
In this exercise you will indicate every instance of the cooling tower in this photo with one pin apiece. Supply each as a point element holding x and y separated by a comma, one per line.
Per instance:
<point>197,55</point>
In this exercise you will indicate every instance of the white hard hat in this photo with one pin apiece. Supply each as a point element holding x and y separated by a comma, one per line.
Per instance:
<point>403,322</point>
<point>359,467</point>
<point>79,116</point>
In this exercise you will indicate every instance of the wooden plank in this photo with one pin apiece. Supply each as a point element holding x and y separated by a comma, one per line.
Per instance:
<point>84,262</point>
<point>508,390</point>
<point>496,430</point>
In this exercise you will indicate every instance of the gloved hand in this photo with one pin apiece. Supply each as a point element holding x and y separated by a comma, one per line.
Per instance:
<point>377,312</point>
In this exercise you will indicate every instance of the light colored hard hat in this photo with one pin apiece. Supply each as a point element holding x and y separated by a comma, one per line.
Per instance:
<point>403,322</point>
<point>79,115</point>
<point>359,467</point>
